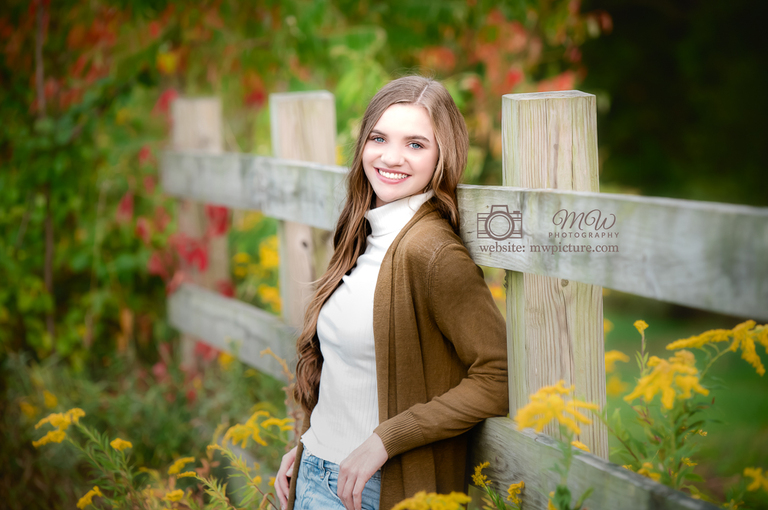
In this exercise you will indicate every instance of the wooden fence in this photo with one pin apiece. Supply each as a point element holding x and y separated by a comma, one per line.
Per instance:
<point>705,255</point>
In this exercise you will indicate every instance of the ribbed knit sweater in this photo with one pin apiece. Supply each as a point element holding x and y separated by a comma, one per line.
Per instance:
<point>347,409</point>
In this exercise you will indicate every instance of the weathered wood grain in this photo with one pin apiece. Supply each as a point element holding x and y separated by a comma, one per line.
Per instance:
<point>549,140</point>
<point>220,321</point>
<point>303,128</point>
<point>524,455</point>
<point>298,191</point>
<point>197,125</point>
<point>700,254</point>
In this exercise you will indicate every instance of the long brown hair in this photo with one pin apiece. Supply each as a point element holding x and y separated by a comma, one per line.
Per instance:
<point>349,240</point>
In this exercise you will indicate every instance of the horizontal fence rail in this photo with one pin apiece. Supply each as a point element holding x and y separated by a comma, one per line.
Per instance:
<point>515,456</point>
<point>700,254</point>
<point>233,326</point>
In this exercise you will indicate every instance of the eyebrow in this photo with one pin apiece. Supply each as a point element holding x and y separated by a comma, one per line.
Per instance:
<point>412,137</point>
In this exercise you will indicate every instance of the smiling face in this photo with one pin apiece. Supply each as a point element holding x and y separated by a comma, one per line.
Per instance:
<point>400,155</point>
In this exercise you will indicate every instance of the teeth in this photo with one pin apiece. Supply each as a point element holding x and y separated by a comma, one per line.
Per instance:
<point>390,175</point>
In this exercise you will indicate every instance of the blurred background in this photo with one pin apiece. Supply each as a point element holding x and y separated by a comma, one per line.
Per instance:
<point>88,241</point>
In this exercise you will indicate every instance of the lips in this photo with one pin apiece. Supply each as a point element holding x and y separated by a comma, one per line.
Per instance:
<point>392,176</point>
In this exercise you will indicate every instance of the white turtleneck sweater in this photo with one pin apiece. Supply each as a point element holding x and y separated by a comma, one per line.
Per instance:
<point>347,410</point>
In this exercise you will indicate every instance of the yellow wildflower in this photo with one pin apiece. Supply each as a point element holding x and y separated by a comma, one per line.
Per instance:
<point>53,436</point>
<point>250,429</point>
<point>423,500</point>
<point>120,444</point>
<point>611,357</point>
<point>283,364</point>
<point>28,409</point>
<point>268,255</point>
<point>174,495</point>
<point>179,464</point>
<point>646,471</point>
<point>580,445</point>
<point>759,479</point>
<point>479,478</point>
<point>241,258</point>
<point>50,400</point>
<point>745,336</point>
<point>688,462</point>
<point>547,405</point>
<point>550,505</point>
<point>75,414</point>
<point>641,326</point>
<point>679,370</point>
<point>272,481</point>
<point>59,420</point>
<point>276,422</point>
<point>628,466</point>
<point>88,498</point>
<point>187,474</point>
<point>213,447</point>
<point>225,360</point>
<point>514,491</point>
<point>269,295</point>
<point>256,480</point>
<point>615,386</point>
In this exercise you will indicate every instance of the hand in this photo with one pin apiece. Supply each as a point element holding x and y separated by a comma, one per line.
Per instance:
<point>282,482</point>
<point>357,469</point>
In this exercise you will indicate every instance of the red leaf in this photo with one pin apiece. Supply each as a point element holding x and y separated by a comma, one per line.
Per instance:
<point>218,217</point>
<point>514,76</point>
<point>156,266</point>
<point>149,184</point>
<point>163,104</point>
<point>162,218</point>
<point>144,229</point>
<point>125,208</point>
<point>145,155</point>
<point>225,288</point>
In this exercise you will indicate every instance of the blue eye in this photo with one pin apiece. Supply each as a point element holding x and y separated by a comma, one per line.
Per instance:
<point>418,145</point>
<point>376,138</point>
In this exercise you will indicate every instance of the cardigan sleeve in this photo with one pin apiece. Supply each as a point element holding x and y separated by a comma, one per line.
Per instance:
<point>461,305</point>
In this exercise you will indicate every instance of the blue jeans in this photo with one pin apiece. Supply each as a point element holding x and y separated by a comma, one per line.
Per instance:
<point>316,486</point>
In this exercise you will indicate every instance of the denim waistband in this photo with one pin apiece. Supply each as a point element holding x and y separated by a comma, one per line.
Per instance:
<point>326,464</point>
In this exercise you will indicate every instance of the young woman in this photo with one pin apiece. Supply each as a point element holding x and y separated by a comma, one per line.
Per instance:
<point>403,349</point>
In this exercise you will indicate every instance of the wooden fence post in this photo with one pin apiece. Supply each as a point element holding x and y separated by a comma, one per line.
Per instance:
<point>197,126</point>
<point>555,327</point>
<point>303,128</point>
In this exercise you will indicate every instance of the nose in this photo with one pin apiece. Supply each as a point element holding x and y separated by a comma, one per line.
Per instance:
<point>392,156</point>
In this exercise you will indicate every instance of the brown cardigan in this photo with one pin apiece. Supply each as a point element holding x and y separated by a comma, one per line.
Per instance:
<point>441,359</point>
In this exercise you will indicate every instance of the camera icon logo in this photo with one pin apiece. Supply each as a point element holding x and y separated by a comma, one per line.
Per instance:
<point>500,224</point>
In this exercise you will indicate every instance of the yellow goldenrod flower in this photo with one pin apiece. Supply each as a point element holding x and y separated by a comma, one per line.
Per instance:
<point>225,360</point>
<point>240,271</point>
<point>283,364</point>
<point>479,478</point>
<point>641,326</point>
<point>241,258</point>
<point>514,491</point>
<point>270,296</point>
<point>628,466</point>
<point>688,462</point>
<point>174,495</point>
<point>120,444</point>
<point>28,409</point>
<point>277,422</point>
<point>75,414</point>
<point>611,357</point>
<point>646,471</point>
<point>268,255</point>
<point>88,498</point>
<point>547,405</point>
<point>59,420</point>
<point>53,436</point>
<point>423,501</point>
<point>272,481</point>
<point>50,400</point>
<point>179,464</point>
<point>256,480</point>
<point>550,505</point>
<point>615,386</point>
<point>745,337</point>
<point>679,370</point>
<point>758,479</point>
<point>213,447</point>
<point>250,429</point>
<point>187,474</point>
<point>580,445</point>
